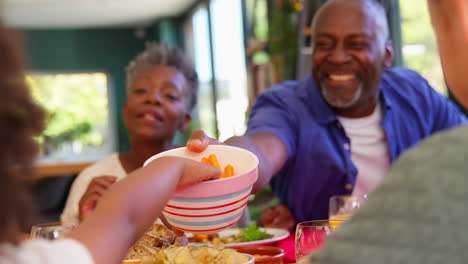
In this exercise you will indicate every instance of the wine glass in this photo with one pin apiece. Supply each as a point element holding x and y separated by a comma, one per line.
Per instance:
<point>50,231</point>
<point>342,207</point>
<point>310,236</point>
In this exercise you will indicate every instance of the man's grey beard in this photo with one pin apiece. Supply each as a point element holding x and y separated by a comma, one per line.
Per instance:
<point>337,103</point>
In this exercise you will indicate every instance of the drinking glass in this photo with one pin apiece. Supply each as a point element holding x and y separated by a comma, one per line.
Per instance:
<point>310,236</point>
<point>50,231</point>
<point>342,207</point>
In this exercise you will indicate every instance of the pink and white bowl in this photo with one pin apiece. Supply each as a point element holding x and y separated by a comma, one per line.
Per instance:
<point>211,206</point>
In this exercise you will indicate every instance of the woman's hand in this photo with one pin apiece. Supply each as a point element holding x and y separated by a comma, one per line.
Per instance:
<point>96,188</point>
<point>279,217</point>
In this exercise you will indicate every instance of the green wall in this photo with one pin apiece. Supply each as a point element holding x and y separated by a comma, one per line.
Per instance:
<point>168,30</point>
<point>105,50</point>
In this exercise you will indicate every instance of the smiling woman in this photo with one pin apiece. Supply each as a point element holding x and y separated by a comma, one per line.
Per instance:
<point>161,92</point>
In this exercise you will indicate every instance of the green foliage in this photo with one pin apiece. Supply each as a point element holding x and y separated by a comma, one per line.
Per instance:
<point>261,24</point>
<point>253,233</point>
<point>417,30</point>
<point>76,105</point>
<point>261,201</point>
<point>283,39</point>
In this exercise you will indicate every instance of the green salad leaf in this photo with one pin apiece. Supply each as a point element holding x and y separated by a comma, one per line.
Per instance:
<point>253,233</point>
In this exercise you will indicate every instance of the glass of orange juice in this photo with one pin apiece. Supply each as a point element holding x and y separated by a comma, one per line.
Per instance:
<point>342,207</point>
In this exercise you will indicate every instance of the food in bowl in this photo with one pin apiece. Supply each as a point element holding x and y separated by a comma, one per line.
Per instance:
<point>156,238</point>
<point>213,161</point>
<point>250,233</point>
<point>131,261</point>
<point>211,206</point>
<point>198,255</point>
<point>263,254</point>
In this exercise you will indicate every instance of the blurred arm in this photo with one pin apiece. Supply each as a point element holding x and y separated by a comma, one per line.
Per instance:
<point>127,210</point>
<point>450,23</point>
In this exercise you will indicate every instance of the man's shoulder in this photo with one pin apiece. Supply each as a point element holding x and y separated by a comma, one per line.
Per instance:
<point>288,92</point>
<point>287,87</point>
<point>401,73</point>
<point>405,82</point>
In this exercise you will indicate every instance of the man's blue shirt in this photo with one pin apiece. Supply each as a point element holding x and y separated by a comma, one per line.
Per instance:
<point>319,161</point>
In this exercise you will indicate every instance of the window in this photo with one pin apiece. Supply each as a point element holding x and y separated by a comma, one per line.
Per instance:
<point>78,127</point>
<point>202,59</point>
<point>419,43</point>
<point>230,72</point>
<point>222,98</point>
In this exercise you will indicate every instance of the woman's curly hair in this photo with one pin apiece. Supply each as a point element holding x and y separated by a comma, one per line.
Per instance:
<point>20,119</point>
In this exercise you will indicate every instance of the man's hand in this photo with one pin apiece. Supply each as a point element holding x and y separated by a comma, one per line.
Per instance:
<point>279,217</point>
<point>96,188</point>
<point>199,141</point>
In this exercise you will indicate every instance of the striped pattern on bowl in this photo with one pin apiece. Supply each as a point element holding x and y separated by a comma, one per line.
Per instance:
<point>211,206</point>
<point>206,215</point>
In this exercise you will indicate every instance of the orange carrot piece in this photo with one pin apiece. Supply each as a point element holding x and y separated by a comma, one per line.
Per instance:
<point>201,237</point>
<point>229,170</point>
<point>214,161</point>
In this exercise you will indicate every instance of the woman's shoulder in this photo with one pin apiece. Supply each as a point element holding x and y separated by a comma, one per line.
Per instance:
<point>109,165</point>
<point>37,251</point>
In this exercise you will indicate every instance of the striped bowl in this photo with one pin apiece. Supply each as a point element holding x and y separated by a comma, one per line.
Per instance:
<point>211,206</point>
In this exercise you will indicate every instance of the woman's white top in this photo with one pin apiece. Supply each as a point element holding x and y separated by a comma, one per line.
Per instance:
<point>39,251</point>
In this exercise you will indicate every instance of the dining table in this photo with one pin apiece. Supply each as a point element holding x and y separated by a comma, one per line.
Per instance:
<point>287,245</point>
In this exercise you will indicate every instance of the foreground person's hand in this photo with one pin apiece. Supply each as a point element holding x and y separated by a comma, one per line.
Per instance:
<point>126,211</point>
<point>195,172</point>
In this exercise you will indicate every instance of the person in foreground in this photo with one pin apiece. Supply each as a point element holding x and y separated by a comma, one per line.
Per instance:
<point>338,131</point>
<point>162,89</point>
<point>417,215</point>
<point>124,213</point>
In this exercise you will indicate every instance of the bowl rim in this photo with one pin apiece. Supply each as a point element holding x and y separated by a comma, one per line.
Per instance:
<point>208,189</point>
<point>165,153</point>
<point>251,258</point>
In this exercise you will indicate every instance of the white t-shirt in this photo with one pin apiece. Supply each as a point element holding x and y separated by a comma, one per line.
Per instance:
<point>369,150</point>
<point>109,166</point>
<point>38,251</point>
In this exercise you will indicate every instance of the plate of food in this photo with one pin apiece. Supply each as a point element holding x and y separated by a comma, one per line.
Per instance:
<point>190,254</point>
<point>161,245</point>
<point>234,237</point>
